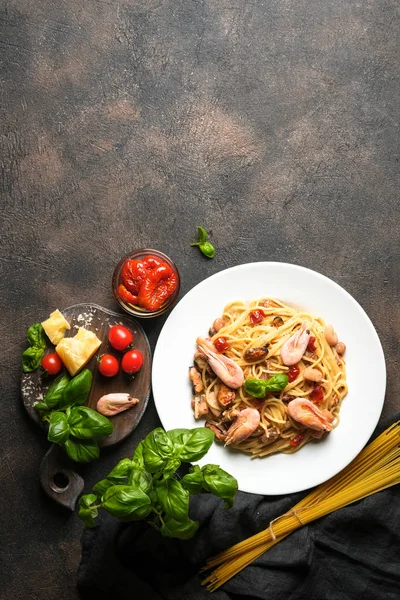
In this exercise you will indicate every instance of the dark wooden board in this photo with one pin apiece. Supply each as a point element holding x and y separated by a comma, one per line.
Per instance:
<point>57,476</point>
<point>97,319</point>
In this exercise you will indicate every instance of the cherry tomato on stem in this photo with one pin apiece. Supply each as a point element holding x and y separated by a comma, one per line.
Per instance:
<point>120,337</point>
<point>132,362</point>
<point>108,365</point>
<point>221,344</point>
<point>52,363</point>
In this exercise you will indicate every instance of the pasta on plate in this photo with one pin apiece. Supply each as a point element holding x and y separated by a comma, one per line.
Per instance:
<point>269,378</point>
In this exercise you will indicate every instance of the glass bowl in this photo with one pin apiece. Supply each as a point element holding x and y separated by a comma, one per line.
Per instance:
<point>134,309</point>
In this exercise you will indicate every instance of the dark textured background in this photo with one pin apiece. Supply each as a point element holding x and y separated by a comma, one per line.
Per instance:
<point>125,124</point>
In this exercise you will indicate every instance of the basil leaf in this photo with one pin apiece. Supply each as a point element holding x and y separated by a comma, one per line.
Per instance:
<point>55,392</point>
<point>220,483</point>
<point>77,390</point>
<point>141,480</point>
<point>202,233</point>
<point>277,383</point>
<point>207,249</point>
<point>86,423</point>
<point>191,444</point>
<point>36,336</point>
<point>173,498</point>
<point>125,501</point>
<point>58,429</point>
<point>121,471</point>
<point>258,388</point>
<point>193,481</point>
<point>171,467</point>
<point>31,359</point>
<point>157,449</point>
<point>137,458</point>
<point>42,408</point>
<point>102,486</point>
<point>32,356</point>
<point>86,511</point>
<point>82,451</point>
<point>182,530</point>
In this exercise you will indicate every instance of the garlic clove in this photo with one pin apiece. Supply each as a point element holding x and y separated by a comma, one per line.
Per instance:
<point>112,404</point>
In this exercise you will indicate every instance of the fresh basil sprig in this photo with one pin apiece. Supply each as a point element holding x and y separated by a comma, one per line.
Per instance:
<point>32,356</point>
<point>72,426</point>
<point>147,487</point>
<point>206,247</point>
<point>258,388</point>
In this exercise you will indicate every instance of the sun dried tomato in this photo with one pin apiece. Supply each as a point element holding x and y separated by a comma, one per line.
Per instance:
<point>293,373</point>
<point>256,316</point>
<point>317,395</point>
<point>157,286</point>
<point>297,440</point>
<point>311,344</point>
<point>126,295</point>
<point>221,344</point>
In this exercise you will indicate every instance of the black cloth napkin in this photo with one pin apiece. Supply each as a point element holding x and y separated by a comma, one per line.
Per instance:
<point>352,553</point>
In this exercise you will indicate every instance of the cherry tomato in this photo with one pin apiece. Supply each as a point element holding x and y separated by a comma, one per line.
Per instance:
<point>317,395</point>
<point>256,316</point>
<point>221,344</point>
<point>126,295</point>
<point>120,337</point>
<point>157,286</point>
<point>293,373</point>
<point>297,440</point>
<point>132,361</point>
<point>52,363</point>
<point>108,365</point>
<point>311,344</point>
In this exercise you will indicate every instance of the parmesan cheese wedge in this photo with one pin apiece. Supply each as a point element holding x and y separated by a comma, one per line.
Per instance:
<point>75,352</point>
<point>55,326</point>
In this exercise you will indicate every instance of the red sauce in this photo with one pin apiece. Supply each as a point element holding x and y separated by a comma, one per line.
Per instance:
<point>147,282</point>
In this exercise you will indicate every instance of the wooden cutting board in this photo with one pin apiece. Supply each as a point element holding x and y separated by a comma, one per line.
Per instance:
<point>57,471</point>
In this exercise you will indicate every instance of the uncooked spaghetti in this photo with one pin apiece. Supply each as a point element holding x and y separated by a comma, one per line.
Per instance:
<point>266,338</point>
<point>376,468</point>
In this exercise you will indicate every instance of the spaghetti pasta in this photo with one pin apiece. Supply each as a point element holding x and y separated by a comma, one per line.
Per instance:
<point>255,335</point>
<point>376,468</point>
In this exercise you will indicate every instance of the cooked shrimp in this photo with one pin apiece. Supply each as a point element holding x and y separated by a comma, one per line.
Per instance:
<point>247,421</point>
<point>218,324</point>
<point>294,348</point>
<point>195,378</point>
<point>305,412</point>
<point>225,395</point>
<point>225,368</point>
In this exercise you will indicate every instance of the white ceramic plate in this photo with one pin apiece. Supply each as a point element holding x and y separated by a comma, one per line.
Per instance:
<point>365,363</point>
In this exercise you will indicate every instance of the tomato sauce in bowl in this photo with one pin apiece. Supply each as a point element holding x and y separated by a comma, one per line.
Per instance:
<point>146,283</point>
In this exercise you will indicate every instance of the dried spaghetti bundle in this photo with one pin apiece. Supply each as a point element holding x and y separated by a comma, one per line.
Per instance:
<point>376,468</point>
